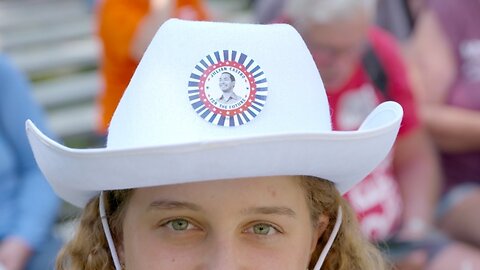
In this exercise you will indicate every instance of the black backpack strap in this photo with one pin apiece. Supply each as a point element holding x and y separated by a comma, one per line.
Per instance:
<point>375,71</point>
<point>408,13</point>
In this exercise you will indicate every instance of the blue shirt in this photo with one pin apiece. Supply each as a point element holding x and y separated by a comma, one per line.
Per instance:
<point>28,206</point>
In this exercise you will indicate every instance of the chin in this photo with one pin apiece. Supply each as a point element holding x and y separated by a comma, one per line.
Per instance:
<point>334,83</point>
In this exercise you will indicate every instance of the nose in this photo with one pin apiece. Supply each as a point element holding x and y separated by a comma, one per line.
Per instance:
<point>224,254</point>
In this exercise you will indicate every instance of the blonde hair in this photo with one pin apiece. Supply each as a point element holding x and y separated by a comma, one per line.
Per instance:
<point>326,11</point>
<point>88,250</point>
<point>350,250</point>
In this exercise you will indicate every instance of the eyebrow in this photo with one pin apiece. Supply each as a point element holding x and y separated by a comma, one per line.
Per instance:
<point>173,205</point>
<point>178,205</point>
<point>282,211</point>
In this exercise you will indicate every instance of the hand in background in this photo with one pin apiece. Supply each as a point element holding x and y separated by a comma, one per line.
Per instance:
<point>417,260</point>
<point>163,6</point>
<point>414,229</point>
<point>14,253</point>
<point>160,11</point>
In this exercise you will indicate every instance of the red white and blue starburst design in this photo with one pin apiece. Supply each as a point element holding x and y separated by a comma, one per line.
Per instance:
<point>250,88</point>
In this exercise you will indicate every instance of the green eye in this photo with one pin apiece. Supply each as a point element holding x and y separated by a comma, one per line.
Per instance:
<point>262,229</point>
<point>179,224</point>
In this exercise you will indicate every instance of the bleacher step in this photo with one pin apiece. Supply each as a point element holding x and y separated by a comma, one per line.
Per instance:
<point>67,90</point>
<point>73,121</point>
<point>24,14</point>
<point>42,61</point>
<point>74,28</point>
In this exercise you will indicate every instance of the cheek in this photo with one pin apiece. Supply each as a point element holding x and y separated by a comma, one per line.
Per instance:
<point>291,253</point>
<point>291,257</point>
<point>321,60</point>
<point>148,252</point>
<point>336,74</point>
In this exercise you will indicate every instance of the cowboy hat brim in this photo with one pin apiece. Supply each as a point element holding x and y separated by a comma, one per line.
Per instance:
<point>343,157</point>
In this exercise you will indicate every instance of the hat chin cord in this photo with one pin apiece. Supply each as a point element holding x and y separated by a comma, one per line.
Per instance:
<point>118,266</point>
<point>108,234</point>
<point>332,237</point>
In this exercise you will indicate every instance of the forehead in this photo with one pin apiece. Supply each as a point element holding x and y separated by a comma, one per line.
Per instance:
<point>229,193</point>
<point>345,31</point>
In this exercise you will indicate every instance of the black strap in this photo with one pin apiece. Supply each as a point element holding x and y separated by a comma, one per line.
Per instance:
<point>408,13</point>
<point>375,71</point>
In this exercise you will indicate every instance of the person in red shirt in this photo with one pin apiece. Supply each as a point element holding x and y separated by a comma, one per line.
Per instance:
<point>398,200</point>
<point>125,29</point>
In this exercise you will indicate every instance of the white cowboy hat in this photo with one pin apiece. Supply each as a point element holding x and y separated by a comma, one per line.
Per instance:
<point>171,125</point>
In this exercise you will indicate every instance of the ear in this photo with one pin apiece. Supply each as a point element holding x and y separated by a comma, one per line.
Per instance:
<point>121,254</point>
<point>322,224</point>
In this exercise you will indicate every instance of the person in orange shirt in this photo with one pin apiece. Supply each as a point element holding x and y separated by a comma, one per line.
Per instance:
<point>125,28</point>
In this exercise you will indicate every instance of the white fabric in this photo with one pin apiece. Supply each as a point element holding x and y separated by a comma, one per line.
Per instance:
<point>156,137</point>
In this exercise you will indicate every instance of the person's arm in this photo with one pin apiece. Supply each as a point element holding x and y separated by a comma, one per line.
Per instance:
<point>453,129</point>
<point>430,51</point>
<point>160,11</point>
<point>125,28</point>
<point>415,161</point>
<point>36,204</point>
<point>418,173</point>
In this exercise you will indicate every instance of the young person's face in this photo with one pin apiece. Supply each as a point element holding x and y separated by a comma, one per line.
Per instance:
<point>255,223</point>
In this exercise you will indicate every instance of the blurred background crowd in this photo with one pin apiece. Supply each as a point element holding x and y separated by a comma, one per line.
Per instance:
<point>66,63</point>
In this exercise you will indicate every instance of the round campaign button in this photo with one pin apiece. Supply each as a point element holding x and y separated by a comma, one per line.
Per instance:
<point>227,88</point>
